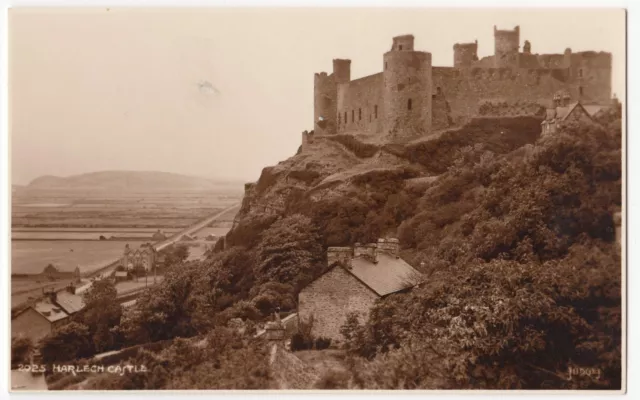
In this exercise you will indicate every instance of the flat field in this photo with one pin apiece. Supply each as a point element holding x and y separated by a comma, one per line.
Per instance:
<point>55,208</point>
<point>63,226</point>
<point>31,256</point>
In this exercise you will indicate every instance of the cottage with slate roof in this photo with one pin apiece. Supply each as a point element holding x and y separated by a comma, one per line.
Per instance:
<point>48,314</point>
<point>357,277</point>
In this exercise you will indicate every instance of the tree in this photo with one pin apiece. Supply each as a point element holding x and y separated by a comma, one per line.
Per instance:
<point>290,252</point>
<point>101,312</point>
<point>69,342</point>
<point>21,347</point>
<point>175,254</point>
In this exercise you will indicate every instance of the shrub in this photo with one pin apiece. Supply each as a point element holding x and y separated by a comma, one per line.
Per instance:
<point>21,347</point>
<point>322,343</point>
<point>70,342</point>
<point>333,379</point>
<point>298,342</point>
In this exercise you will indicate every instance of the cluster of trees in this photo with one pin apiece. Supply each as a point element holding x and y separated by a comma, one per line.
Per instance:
<point>524,274</point>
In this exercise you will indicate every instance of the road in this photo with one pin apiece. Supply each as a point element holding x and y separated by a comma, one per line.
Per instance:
<point>108,269</point>
<point>193,228</point>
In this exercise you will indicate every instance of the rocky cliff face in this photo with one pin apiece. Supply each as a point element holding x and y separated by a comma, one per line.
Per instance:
<point>338,166</point>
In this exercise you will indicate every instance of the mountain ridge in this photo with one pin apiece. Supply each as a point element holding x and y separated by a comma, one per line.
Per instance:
<point>126,179</point>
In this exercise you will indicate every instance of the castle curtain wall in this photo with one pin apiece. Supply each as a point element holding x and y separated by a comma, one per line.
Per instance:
<point>465,89</point>
<point>358,99</point>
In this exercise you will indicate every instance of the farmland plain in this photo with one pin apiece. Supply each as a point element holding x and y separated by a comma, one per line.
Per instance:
<point>63,226</point>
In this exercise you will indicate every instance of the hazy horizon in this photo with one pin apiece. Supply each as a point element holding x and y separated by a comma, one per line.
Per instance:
<point>222,93</point>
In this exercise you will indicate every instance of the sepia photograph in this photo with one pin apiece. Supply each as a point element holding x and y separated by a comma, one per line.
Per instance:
<point>316,199</point>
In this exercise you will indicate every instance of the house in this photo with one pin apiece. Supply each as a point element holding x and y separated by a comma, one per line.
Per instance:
<point>47,315</point>
<point>144,257</point>
<point>564,111</point>
<point>357,277</point>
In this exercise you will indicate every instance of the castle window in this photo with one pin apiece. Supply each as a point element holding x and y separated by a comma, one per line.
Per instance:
<point>353,116</point>
<point>385,65</point>
<point>439,90</point>
<point>359,114</point>
<point>345,117</point>
<point>581,91</point>
<point>409,104</point>
<point>580,73</point>
<point>375,110</point>
<point>339,119</point>
<point>400,47</point>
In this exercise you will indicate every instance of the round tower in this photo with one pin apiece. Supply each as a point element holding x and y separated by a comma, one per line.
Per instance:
<point>324,104</point>
<point>464,54</point>
<point>507,47</point>
<point>407,89</point>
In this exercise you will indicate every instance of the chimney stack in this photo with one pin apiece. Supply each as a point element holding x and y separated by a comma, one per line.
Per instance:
<point>71,288</point>
<point>368,251</point>
<point>390,246</point>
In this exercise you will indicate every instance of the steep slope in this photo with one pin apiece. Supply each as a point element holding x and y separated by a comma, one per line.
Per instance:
<point>347,167</point>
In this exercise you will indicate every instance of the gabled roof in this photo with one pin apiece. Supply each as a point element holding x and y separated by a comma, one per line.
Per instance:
<point>50,311</point>
<point>561,113</point>
<point>388,275</point>
<point>593,109</point>
<point>71,303</point>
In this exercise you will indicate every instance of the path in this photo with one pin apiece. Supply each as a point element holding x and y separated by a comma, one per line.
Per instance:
<point>193,228</point>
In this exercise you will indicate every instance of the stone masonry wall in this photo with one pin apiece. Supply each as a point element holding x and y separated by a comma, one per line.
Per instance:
<point>330,298</point>
<point>357,104</point>
<point>464,90</point>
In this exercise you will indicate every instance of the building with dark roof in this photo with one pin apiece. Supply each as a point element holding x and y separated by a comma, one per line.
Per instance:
<point>357,277</point>
<point>48,314</point>
<point>565,111</point>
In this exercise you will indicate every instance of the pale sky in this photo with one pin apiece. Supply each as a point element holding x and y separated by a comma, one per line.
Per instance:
<point>225,92</point>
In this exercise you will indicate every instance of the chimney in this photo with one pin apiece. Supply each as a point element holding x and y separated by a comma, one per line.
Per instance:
<point>51,295</point>
<point>341,254</point>
<point>390,246</point>
<point>566,99</point>
<point>368,251</point>
<point>71,288</point>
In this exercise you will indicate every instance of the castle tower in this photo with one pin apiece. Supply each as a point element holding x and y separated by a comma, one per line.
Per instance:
<point>342,70</point>
<point>407,89</point>
<point>325,97</point>
<point>464,54</point>
<point>324,104</point>
<point>507,46</point>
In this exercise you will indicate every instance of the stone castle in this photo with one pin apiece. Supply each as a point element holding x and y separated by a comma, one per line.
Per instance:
<point>411,97</point>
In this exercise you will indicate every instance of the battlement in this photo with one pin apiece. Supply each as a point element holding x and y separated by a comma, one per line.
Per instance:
<point>402,43</point>
<point>465,54</point>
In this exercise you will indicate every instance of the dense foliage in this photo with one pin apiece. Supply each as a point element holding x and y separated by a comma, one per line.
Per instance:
<point>515,237</point>
<point>524,275</point>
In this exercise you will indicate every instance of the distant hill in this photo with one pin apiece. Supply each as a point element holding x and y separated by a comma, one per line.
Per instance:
<point>131,180</point>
